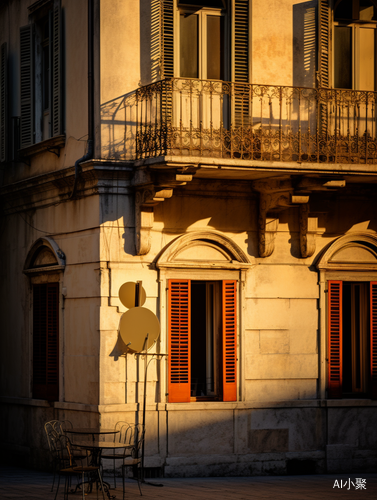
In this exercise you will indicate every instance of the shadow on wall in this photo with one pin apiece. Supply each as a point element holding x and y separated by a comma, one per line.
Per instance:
<point>118,127</point>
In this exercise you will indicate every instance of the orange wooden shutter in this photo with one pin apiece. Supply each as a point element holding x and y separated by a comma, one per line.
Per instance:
<point>335,333</point>
<point>373,338</point>
<point>229,341</point>
<point>179,313</point>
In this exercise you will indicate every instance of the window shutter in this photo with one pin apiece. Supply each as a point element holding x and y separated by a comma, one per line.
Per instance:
<point>241,41</point>
<point>240,73</point>
<point>335,333</point>
<point>179,312</point>
<point>3,102</point>
<point>167,39</point>
<point>56,73</point>
<point>229,301</point>
<point>46,341</point>
<point>373,338</point>
<point>324,44</point>
<point>26,86</point>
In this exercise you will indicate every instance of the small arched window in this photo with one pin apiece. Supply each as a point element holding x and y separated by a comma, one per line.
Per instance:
<point>44,265</point>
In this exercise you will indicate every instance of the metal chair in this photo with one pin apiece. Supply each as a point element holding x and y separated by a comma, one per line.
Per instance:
<point>134,435</point>
<point>122,427</point>
<point>52,434</point>
<point>68,466</point>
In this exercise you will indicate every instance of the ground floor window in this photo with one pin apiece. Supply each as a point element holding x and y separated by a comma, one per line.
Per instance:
<point>202,340</point>
<point>46,341</point>
<point>352,348</point>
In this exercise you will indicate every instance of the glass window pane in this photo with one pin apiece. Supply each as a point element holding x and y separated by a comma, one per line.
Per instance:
<point>189,66</point>
<point>343,57</point>
<point>366,59</point>
<point>215,47</point>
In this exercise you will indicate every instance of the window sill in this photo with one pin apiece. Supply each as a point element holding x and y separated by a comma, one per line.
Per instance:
<point>53,145</point>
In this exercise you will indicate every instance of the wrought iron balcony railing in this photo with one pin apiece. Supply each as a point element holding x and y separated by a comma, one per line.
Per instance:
<point>201,118</point>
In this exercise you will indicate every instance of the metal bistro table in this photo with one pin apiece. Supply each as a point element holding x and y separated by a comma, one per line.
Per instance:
<point>93,431</point>
<point>96,448</point>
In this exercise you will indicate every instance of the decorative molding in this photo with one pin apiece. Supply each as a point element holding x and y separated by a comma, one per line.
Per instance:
<point>235,258</point>
<point>359,239</point>
<point>49,243</point>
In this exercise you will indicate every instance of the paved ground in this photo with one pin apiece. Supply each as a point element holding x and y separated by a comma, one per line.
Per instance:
<point>17,483</point>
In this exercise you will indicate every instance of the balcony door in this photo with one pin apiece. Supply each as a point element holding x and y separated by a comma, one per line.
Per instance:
<point>198,105</point>
<point>355,23</point>
<point>201,44</point>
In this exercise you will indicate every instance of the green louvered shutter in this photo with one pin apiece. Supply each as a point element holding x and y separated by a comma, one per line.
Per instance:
<point>3,102</point>
<point>27,85</point>
<point>56,73</point>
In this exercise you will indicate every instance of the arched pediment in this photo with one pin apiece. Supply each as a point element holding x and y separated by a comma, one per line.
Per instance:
<point>44,256</point>
<point>354,251</point>
<point>204,249</point>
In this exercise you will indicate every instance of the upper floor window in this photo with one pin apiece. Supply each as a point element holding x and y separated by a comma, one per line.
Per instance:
<point>206,39</point>
<point>354,48</point>
<point>41,74</point>
<point>201,40</point>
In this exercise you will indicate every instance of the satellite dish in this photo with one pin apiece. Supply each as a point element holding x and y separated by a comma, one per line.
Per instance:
<point>129,293</point>
<point>135,325</point>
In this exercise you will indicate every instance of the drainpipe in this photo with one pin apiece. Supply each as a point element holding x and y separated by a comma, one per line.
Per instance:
<point>90,151</point>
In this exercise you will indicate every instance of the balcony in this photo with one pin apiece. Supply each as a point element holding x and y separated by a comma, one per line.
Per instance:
<point>201,118</point>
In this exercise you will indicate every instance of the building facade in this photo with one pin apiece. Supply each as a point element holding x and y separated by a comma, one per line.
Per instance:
<point>220,152</point>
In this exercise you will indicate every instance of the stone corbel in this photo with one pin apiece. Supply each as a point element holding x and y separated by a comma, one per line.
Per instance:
<point>147,196</point>
<point>275,196</point>
<point>268,224</point>
<point>308,231</point>
<point>145,201</point>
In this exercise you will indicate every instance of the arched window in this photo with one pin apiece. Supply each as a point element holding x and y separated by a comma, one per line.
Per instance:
<point>44,265</point>
<point>202,272</point>
<point>349,271</point>
<point>355,44</point>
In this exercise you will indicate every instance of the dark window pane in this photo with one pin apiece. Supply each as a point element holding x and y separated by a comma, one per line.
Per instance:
<point>216,4</point>
<point>343,57</point>
<point>46,77</point>
<point>215,47</point>
<point>344,10</point>
<point>189,46</point>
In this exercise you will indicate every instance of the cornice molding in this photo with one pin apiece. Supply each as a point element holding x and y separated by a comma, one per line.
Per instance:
<point>97,177</point>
